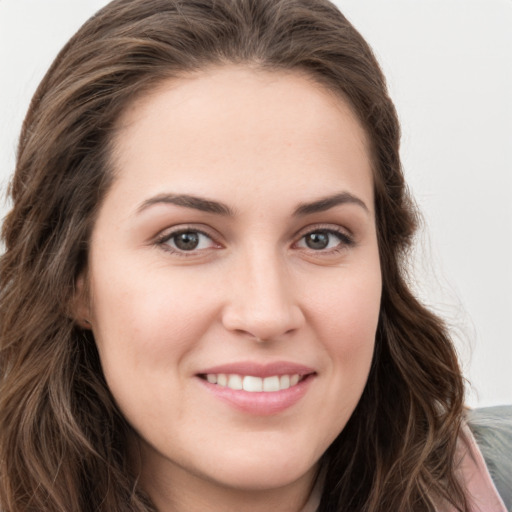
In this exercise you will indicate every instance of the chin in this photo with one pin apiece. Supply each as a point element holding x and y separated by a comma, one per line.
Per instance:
<point>264,474</point>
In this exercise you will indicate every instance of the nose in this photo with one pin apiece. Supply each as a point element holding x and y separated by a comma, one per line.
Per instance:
<point>262,304</point>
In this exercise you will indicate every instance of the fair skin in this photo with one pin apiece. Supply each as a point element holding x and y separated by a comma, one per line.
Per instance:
<point>216,256</point>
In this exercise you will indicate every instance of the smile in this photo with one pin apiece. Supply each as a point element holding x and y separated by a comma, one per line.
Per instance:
<point>254,384</point>
<point>258,389</point>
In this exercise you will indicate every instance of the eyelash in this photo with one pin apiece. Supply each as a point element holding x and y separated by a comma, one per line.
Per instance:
<point>164,239</point>
<point>345,240</point>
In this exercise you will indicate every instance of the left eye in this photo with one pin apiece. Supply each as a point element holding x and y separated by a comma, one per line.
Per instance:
<point>322,239</point>
<point>189,240</point>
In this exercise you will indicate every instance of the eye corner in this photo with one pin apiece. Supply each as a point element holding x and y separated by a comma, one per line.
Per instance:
<point>325,240</point>
<point>194,241</point>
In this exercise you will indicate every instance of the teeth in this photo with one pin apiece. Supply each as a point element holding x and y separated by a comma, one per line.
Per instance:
<point>235,382</point>
<point>253,384</point>
<point>271,384</point>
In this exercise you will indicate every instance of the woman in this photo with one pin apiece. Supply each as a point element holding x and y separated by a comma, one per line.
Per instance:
<point>204,304</point>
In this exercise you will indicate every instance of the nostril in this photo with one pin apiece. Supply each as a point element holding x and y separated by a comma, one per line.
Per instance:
<point>262,317</point>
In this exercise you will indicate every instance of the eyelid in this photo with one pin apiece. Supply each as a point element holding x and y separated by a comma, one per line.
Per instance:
<point>167,234</point>
<point>345,235</point>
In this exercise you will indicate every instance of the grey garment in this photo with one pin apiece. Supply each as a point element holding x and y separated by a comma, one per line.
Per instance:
<point>492,428</point>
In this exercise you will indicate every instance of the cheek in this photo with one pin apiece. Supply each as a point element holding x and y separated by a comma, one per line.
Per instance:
<point>146,321</point>
<point>348,310</point>
<point>144,329</point>
<point>344,313</point>
<point>347,318</point>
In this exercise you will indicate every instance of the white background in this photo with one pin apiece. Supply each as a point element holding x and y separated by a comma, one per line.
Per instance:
<point>449,67</point>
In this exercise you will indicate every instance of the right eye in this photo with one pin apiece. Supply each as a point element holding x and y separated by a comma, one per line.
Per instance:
<point>187,240</point>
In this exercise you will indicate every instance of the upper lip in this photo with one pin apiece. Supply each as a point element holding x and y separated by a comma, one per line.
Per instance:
<point>258,369</point>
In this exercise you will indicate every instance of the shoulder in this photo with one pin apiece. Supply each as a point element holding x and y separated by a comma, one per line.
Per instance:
<point>492,430</point>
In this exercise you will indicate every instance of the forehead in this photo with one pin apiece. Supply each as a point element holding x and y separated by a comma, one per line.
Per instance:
<point>236,123</point>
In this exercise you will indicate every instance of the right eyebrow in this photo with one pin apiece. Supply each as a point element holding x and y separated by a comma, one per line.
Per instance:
<point>188,201</point>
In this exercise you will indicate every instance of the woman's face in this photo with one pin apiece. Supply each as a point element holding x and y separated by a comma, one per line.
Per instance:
<point>236,249</point>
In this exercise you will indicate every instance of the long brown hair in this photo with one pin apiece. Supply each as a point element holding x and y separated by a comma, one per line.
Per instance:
<point>62,439</point>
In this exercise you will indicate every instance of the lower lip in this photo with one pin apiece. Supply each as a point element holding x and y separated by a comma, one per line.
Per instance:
<point>260,403</point>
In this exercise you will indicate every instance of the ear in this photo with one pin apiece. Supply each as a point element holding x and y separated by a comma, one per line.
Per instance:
<point>80,304</point>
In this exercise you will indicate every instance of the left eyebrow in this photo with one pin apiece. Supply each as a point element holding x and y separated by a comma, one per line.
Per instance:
<point>326,203</point>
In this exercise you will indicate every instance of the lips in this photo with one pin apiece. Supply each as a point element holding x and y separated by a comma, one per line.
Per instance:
<point>258,389</point>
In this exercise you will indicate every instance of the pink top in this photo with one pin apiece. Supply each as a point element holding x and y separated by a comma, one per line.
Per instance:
<point>482,494</point>
<point>474,474</point>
